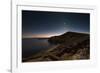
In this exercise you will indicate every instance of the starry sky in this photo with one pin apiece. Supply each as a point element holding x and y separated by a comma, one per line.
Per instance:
<point>44,24</point>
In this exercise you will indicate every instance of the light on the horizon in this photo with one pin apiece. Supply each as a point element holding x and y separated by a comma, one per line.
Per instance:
<point>47,35</point>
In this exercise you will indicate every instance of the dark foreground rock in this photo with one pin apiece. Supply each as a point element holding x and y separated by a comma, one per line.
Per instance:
<point>70,46</point>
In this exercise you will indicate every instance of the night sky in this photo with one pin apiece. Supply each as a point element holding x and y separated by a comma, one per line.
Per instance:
<point>37,24</point>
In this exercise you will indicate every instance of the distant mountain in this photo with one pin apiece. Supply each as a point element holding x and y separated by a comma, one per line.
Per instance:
<point>69,46</point>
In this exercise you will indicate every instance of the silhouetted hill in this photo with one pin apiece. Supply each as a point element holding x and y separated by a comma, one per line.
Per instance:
<point>70,46</point>
<point>69,37</point>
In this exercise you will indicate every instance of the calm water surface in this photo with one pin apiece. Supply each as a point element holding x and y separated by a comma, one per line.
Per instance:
<point>33,46</point>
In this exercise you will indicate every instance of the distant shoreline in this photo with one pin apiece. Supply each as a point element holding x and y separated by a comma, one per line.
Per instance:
<point>35,38</point>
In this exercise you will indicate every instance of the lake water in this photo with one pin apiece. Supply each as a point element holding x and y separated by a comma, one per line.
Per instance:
<point>33,46</point>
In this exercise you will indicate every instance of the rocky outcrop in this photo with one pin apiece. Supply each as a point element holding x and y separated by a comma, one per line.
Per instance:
<point>70,46</point>
<point>69,38</point>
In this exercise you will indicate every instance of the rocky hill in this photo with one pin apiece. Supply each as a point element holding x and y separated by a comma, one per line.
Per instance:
<point>69,38</point>
<point>70,46</point>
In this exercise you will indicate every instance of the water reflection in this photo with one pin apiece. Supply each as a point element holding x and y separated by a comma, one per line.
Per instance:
<point>33,46</point>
